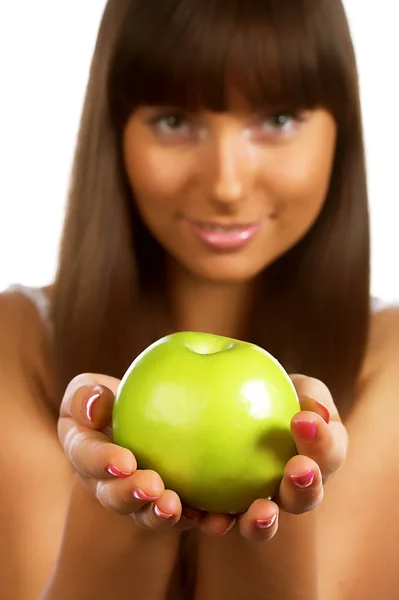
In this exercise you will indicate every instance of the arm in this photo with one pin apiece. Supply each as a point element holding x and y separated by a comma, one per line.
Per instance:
<point>346,548</point>
<point>104,555</point>
<point>51,528</point>
<point>360,514</point>
<point>32,506</point>
<point>234,568</point>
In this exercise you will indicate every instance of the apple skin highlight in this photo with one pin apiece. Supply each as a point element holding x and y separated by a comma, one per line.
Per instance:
<point>211,415</point>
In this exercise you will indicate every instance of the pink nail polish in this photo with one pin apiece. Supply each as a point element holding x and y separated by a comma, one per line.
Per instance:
<point>303,481</point>
<point>307,430</point>
<point>325,412</point>
<point>267,523</point>
<point>117,472</point>
<point>140,495</point>
<point>161,514</point>
<point>89,405</point>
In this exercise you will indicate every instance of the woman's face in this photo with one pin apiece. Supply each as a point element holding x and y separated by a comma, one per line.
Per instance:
<point>226,194</point>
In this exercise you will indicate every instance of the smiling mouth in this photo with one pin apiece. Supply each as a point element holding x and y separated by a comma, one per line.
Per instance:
<point>223,228</point>
<point>226,237</point>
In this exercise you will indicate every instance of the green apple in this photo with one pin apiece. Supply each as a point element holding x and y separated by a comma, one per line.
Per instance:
<point>211,415</point>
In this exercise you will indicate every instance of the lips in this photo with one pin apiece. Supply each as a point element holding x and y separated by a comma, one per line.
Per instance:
<point>219,227</point>
<point>224,236</point>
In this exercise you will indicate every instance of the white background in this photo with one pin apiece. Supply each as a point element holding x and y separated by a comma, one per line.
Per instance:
<point>45,52</point>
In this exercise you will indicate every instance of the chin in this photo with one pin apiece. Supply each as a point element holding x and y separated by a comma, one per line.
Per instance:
<point>234,273</point>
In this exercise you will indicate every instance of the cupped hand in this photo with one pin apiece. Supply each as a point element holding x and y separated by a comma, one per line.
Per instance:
<point>321,440</point>
<point>110,471</point>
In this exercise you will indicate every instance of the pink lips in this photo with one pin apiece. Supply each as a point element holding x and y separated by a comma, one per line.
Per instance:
<point>225,238</point>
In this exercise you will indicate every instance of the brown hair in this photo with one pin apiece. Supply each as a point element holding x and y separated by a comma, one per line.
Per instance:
<point>312,311</point>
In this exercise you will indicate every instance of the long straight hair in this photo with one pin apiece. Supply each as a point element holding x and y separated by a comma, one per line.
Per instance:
<point>313,307</point>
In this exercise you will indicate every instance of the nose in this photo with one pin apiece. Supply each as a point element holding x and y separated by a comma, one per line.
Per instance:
<point>233,170</point>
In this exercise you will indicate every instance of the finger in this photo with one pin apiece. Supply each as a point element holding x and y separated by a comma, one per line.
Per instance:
<point>89,400</point>
<point>129,496</point>
<point>162,514</point>
<point>301,489</point>
<point>190,513</point>
<point>260,522</point>
<point>190,518</point>
<point>325,444</point>
<point>217,524</point>
<point>314,395</point>
<point>92,454</point>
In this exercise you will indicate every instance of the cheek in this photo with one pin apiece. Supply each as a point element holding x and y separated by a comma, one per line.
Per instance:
<point>157,177</point>
<point>299,182</point>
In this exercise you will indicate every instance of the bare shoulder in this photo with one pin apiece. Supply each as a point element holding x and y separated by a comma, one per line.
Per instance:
<point>384,329</point>
<point>25,348</point>
<point>18,316</point>
<point>36,479</point>
<point>376,406</point>
<point>14,308</point>
<point>359,517</point>
<point>381,364</point>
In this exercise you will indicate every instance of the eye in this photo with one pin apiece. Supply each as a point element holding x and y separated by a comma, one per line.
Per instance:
<point>279,125</point>
<point>280,121</point>
<point>172,125</point>
<point>171,122</point>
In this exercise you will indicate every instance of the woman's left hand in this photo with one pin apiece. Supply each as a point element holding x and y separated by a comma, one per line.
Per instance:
<point>321,440</point>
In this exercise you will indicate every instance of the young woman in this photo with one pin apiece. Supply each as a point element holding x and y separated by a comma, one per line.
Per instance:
<point>219,185</point>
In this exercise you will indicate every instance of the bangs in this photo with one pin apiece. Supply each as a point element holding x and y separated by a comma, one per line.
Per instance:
<point>188,54</point>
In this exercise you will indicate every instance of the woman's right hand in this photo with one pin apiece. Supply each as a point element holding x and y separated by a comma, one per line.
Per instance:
<point>110,471</point>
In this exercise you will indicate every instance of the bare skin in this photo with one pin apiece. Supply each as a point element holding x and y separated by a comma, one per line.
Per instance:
<point>38,498</point>
<point>235,168</point>
<point>121,527</point>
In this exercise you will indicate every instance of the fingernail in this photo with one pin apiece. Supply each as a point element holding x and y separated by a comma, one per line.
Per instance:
<point>266,523</point>
<point>140,495</point>
<point>307,430</point>
<point>326,413</point>
<point>161,514</point>
<point>303,481</point>
<point>89,405</point>
<point>230,527</point>
<point>117,472</point>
